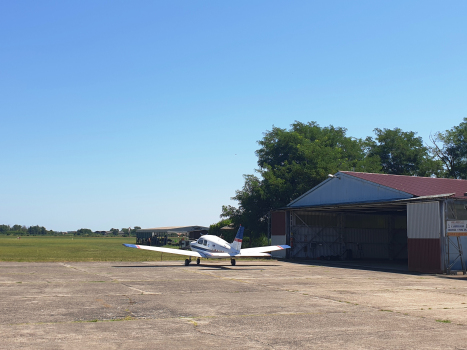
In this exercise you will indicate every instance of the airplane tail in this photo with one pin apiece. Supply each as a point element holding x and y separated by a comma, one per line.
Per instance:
<point>237,243</point>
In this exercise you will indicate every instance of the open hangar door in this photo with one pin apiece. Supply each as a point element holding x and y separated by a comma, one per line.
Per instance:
<point>408,232</point>
<point>349,234</point>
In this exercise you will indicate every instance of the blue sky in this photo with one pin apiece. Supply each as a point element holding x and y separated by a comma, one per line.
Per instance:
<point>148,113</point>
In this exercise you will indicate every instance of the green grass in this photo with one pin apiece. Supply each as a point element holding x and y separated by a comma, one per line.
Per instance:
<point>66,248</point>
<point>443,321</point>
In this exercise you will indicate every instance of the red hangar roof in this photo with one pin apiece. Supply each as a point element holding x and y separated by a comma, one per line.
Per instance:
<point>417,186</point>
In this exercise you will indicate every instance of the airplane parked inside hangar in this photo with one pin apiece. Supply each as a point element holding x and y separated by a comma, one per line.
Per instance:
<point>213,247</point>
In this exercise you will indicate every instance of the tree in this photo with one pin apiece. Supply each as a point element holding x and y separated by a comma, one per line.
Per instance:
<point>453,150</point>
<point>37,230</point>
<point>84,231</point>
<point>253,209</point>
<point>216,229</point>
<point>18,228</point>
<point>4,228</point>
<point>402,153</point>
<point>293,161</point>
<point>290,163</point>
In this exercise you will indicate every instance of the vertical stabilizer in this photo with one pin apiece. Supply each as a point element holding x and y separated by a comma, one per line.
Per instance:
<point>237,243</point>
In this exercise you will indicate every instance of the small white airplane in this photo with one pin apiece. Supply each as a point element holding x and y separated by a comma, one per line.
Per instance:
<point>213,247</point>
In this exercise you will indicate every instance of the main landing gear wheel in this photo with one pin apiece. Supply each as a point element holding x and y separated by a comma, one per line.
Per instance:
<point>187,262</point>
<point>198,261</point>
<point>232,261</point>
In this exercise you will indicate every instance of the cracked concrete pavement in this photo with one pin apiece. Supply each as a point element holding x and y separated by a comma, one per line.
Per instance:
<point>254,305</point>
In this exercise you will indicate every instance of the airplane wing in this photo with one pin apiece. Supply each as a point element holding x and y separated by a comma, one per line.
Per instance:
<point>261,251</point>
<point>166,250</point>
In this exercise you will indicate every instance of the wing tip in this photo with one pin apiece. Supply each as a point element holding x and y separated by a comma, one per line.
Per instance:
<point>130,245</point>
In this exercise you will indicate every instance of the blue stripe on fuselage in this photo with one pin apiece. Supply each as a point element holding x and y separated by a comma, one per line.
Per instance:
<point>207,250</point>
<point>202,249</point>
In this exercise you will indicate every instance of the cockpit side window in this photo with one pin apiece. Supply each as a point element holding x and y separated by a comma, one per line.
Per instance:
<point>205,242</point>
<point>200,241</point>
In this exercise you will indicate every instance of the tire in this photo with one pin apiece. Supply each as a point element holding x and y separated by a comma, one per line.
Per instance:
<point>198,261</point>
<point>232,262</point>
<point>187,262</point>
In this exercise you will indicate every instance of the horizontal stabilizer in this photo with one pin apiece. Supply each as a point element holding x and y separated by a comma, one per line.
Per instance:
<point>243,254</point>
<point>268,249</point>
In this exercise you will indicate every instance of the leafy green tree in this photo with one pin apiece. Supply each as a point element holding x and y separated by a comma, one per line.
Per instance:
<point>403,153</point>
<point>4,228</point>
<point>450,147</point>
<point>37,230</point>
<point>114,231</point>
<point>84,231</point>
<point>216,229</point>
<point>290,163</point>
<point>18,228</point>
<point>293,161</point>
<point>253,208</point>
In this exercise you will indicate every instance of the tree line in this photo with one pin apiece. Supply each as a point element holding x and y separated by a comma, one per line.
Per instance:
<point>20,230</point>
<point>112,231</point>
<point>292,161</point>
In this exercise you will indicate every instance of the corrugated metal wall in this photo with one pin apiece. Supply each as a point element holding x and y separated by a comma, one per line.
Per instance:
<point>415,236</point>
<point>313,242</point>
<point>424,237</point>
<point>278,226</point>
<point>424,255</point>
<point>331,236</point>
<point>423,220</point>
<point>278,232</point>
<point>347,189</point>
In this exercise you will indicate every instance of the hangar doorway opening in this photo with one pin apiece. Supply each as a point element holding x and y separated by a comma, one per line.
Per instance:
<point>390,218</point>
<point>380,235</point>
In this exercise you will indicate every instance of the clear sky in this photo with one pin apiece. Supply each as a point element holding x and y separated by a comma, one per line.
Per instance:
<point>148,113</point>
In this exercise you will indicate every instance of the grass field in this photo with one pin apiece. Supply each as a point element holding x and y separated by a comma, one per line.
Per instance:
<point>66,248</point>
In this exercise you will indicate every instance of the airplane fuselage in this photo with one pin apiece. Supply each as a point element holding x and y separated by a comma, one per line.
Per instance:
<point>212,244</point>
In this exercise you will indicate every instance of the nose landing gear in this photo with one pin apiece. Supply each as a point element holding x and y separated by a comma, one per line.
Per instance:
<point>232,262</point>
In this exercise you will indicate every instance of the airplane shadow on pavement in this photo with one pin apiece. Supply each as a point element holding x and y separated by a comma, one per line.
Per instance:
<point>201,266</point>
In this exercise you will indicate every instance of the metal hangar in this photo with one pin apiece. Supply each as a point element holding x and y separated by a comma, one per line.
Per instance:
<point>418,221</point>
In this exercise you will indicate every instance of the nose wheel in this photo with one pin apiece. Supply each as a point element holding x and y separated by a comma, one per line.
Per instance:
<point>232,262</point>
<point>198,261</point>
